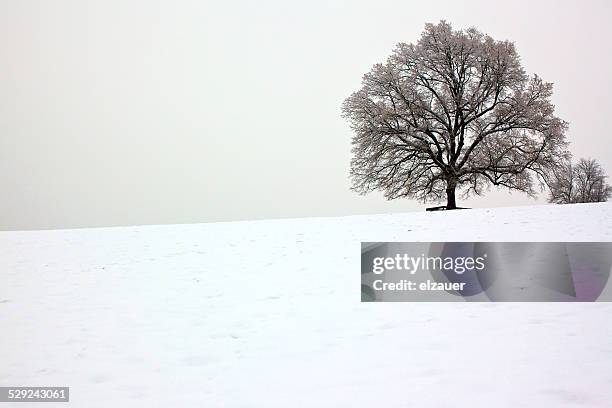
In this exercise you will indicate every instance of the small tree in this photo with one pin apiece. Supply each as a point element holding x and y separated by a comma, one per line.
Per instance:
<point>455,111</point>
<point>584,182</point>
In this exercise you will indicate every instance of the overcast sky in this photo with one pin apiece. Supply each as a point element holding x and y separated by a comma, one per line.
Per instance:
<point>127,112</point>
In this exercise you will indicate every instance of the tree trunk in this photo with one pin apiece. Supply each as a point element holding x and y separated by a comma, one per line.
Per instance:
<point>451,203</point>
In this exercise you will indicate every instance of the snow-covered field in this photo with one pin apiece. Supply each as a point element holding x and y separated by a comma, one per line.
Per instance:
<point>268,314</point>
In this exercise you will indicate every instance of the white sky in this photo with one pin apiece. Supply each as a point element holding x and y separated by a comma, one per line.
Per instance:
<point>127,112</point>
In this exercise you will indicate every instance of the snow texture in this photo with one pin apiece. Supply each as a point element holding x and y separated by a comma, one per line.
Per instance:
<point>268,314</point>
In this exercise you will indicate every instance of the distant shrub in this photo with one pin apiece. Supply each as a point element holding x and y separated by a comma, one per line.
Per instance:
<point>583,182</point>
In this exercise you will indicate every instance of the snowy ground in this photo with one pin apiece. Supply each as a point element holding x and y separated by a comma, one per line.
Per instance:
<point>268,314</point>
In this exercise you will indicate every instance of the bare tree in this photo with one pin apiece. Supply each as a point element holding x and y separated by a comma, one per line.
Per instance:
<point>584,182</point>
<point>453,112</point>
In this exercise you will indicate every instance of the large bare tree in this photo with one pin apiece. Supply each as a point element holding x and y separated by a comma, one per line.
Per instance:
<point>583,182</point>
<point>453,112</point>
